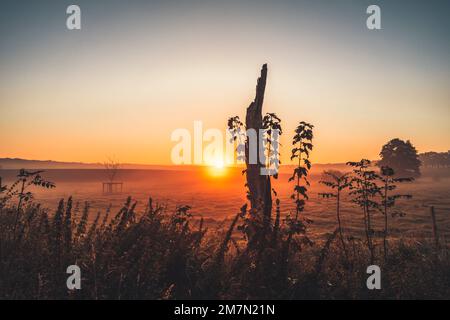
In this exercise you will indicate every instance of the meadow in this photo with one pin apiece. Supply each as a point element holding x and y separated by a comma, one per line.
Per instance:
<point>181,236</point>
<point>216,194</point>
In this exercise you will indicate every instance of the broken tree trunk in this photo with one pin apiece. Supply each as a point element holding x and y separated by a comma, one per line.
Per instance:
<point>258,184</point>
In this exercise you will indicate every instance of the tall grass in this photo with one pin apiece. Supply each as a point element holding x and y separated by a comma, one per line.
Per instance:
<point>156,253</point>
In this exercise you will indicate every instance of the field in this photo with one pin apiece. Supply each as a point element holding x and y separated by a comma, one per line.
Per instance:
<point>217,194</point>
<point>163,249</point>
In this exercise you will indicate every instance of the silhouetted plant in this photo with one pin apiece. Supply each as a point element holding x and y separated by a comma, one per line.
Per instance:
<point>82,225</point>
<point>238,135</point>
<point>159,256</point>
<point>388,200</point>
<point>19,189</point>
<point>302,142</point>
<point>181,215</point>
<point>2,187</point>
<point>224,246</point>
<point>337,181</point>
<point>364,190</point>
<point>68,227</point>
<point>276,225</point>
<point>273,131</point>
<point>255,223</point>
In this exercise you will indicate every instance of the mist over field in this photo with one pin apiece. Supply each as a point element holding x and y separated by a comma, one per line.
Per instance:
<point>217,194</point>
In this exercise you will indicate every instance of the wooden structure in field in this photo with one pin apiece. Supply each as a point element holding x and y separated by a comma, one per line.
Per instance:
<point>112,187</point>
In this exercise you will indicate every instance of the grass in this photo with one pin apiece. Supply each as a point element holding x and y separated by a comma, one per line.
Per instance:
<point>156,254</point>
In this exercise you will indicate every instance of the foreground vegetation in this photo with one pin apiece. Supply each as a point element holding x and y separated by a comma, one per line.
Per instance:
<point>160,255</point>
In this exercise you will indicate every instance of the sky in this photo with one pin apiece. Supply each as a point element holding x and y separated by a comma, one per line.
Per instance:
<point>138,70</point>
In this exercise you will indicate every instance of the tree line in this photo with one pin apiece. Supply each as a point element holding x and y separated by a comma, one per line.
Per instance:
<point>435,159</point>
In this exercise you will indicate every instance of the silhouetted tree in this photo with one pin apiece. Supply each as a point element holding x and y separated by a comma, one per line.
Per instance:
<point>112,167</point>
<point>402,157</point>
<point>259,185</point>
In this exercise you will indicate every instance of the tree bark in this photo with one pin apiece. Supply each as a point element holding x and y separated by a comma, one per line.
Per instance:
<point>259,185</point>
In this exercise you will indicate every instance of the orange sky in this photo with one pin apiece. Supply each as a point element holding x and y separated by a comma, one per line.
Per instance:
<point>123,83</point>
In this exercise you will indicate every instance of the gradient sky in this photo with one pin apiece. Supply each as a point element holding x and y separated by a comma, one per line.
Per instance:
<point>140,69</point>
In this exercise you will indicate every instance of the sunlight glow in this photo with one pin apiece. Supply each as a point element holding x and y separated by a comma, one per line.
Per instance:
<point>219,164</point>
<point>217,168</point>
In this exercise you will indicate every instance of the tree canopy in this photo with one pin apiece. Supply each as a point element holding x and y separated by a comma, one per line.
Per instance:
<point>402,157</point>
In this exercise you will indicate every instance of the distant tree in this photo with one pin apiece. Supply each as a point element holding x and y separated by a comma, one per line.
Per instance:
<point>435,159</point>
<point>402,157</point>
<point>112,166</point>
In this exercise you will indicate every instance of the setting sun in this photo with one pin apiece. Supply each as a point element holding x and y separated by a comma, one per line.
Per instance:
<point>219,164</point>
<point>217,168</point>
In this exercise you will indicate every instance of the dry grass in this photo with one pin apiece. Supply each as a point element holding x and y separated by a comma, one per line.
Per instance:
<point>155,254</point>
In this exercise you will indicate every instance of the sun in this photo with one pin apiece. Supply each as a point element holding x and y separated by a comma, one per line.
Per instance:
<point>219,164</point>
<point>217,168</point>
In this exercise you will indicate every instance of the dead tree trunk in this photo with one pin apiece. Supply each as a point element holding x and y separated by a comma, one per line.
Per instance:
<point>258,184</point>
